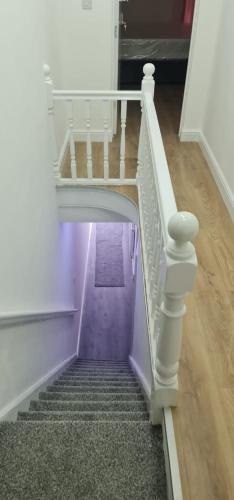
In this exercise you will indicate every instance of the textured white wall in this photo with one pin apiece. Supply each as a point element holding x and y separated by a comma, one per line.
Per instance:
<point>36,268</point>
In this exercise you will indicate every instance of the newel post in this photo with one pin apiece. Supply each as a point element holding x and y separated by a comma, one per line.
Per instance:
<point>50,104</point>
<point>147,85</point>
<point>180,275</point>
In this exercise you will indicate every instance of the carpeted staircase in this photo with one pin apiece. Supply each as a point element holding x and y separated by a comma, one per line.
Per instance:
<point>88,437</point>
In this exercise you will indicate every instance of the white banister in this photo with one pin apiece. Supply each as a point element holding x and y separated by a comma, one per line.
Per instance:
<point>168,255</point>
<point>71,139</point>
<point>122,140</point>
<point>50,105</point>
<point>97,95</point>
<point>181,265</point>
<point>88,141</point>
<point>106,139</point>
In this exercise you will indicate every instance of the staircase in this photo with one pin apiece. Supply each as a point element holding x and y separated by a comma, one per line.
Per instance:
<point>87,437</point>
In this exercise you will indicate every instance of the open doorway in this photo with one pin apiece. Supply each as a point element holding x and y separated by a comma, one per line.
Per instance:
<point>158,32</point>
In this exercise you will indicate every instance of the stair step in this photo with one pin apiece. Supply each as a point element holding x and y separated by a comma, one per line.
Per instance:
<point>118,369</point>
<point>88,406</point>
<point>105,379</point>
<point>96,383</point>
<point>94,388</point>
<point>87,460</point>
<point>102,361</point>
<point>83,415</point>
<point>98,371</point>
<point>100,364</point>
<point>90,396</point>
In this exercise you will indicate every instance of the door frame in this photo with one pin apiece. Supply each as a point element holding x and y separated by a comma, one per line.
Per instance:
<point>190,63</point>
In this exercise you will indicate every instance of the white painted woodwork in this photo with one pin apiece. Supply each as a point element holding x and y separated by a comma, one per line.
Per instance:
<point>16,317</point>
<point>88,141</point>
<point>122,140</point>
<point>148,83</point>
<point>168,256</point>
<point>106,141</point>
<point>50,104</point>
<point>181,266</point>
<point>71,139</point>
<point>97,95</point>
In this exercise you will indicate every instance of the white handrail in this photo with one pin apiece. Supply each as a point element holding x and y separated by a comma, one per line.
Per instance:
<point>8,318</point>
<point>95,95</point>
<point>166,197</point>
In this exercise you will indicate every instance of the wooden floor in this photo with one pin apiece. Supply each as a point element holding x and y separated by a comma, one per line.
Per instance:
<point>204,419</point>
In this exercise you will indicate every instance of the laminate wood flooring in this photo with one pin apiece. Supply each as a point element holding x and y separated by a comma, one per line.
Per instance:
<point>204,418</point>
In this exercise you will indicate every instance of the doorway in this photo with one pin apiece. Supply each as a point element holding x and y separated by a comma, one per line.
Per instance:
<point>107,320</point>
<point>158,32</point>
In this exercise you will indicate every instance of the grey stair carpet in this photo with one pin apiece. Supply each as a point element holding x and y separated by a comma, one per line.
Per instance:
<point>109,267</point>
<point>89,439</point>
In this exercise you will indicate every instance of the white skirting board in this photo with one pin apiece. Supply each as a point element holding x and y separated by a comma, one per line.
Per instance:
<point>145,385</point>
<point>21,402</point>
<point>216,171</point>
<point>174,489</point>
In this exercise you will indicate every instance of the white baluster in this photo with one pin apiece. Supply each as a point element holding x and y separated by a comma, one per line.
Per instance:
<point>122,140</point>
<point>89,142</point>
<point>180,275</point>
<point>71,139</point>
<point>106,140</point>
<point>50,104</point>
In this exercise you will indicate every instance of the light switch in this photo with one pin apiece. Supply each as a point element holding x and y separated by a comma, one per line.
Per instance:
<point>87,4</point>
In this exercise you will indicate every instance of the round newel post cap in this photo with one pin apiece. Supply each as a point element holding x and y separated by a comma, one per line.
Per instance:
<point>148,70</point>
<point>182,228</point>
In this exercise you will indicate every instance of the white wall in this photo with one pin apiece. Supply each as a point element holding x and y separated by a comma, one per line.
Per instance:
<point>219,116</point>
<point>208,108</point>
<point>36,271</point>
<point>81,53</point>
<point>140,351</point>
<point>202,52</point>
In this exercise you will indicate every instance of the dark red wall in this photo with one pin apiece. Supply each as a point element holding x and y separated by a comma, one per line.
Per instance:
<point>154,19</point>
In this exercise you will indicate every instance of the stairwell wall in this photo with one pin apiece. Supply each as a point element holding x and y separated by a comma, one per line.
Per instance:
<point>36,271</point>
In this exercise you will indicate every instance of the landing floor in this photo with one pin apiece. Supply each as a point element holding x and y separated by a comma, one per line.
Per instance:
<point>204,419</point>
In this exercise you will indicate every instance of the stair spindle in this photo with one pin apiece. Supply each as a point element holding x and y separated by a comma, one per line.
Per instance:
<point>71,139</point>
<point>106,140</point>
<point>88,141</point>
<point>122,140</point>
